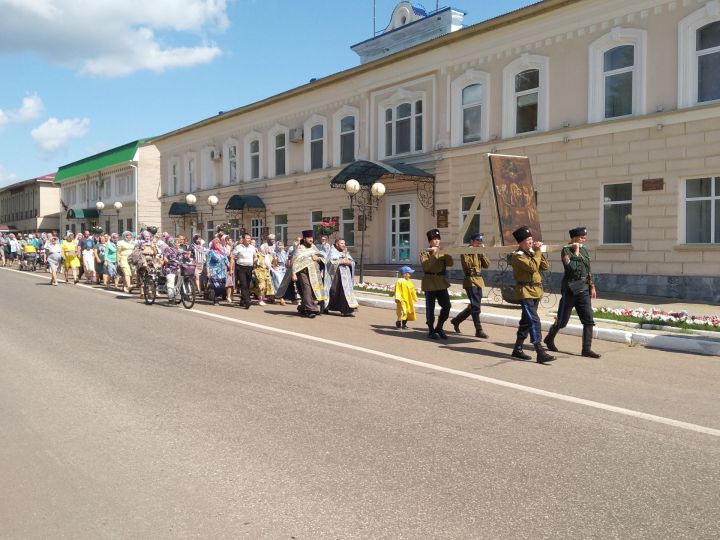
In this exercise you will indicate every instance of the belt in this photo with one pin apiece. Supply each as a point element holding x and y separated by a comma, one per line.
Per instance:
<point>434,273</point>
<point>472,274</point>
<point>530,283</point>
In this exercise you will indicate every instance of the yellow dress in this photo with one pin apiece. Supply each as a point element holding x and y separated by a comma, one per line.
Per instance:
<point>69,250</point>
<point>405,293</point>
<point>263,283</point>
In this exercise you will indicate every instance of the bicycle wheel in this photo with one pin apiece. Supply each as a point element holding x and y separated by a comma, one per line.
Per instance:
<point>149,290</point>
<point>187,292</point>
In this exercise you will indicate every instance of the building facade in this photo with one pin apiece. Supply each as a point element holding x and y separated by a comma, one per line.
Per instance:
<point>30,206</point>
<point>116,190</point>
<point>616,104</point>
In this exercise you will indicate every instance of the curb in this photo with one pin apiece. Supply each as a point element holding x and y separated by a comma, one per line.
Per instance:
<point>686,344</point>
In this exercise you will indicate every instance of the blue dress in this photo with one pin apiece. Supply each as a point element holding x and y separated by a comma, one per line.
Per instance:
<point>217,264</point>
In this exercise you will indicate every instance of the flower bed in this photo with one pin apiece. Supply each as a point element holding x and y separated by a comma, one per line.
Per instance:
<point>679,319</point>
<point>389,290</point>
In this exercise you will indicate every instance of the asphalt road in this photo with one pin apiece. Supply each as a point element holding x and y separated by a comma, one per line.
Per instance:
<point>120,420</point>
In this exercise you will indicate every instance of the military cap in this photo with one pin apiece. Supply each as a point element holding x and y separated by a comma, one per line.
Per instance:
<point>578,231</point>
<point>522,233</point>
<point>432,234</point>
<point>476,237</point>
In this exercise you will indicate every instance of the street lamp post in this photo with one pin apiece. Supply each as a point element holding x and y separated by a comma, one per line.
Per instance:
<point>118,206</point>
<point>99,206</point>
<point>212,201</point>
<point>365,199</point>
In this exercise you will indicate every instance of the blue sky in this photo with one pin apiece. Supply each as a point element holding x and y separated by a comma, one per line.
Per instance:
<point>82,77</point>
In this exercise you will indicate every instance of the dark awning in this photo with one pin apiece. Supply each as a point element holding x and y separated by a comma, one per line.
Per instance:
<point>7,228</point>
<point>369,172</point>
<point>242,202</point>
<point>181,209</point>
<point>82,213</point>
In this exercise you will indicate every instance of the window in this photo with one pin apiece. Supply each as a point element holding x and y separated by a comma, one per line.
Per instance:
<point>256,230</point>
<point>210,231</point>
<point>235,229</point>
<point>83,193</point>
<point>129,224</point>
<point>699,56</point>
<point>207,168</point>
<point>471,113</point>
<point>93,191</point>
<point>191,174</point>
<point>616,85</point>
<point>107,226</point>
<point>281,228</point>
<point>174,179</point>
<point>347,224</point>
<point>107,191</point>
<point>120,229</point>
<point>232,164</point>
<point>702,210</point>
<point>280,144</point>
<point>525,98</point>
<point>315,219</point>
<point>404,128</point>
<point>474,228</point>
<point>123,184</point>
<point>347,139</point>
<point>617,213</point>
<point>255,159</point>
<point>317,140</point>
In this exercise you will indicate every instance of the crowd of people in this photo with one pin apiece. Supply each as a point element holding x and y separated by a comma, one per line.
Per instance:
<point>317,277</point>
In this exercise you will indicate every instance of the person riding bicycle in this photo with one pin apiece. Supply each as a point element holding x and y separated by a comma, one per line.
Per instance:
<point>172,259</point>
<point>143,257</point>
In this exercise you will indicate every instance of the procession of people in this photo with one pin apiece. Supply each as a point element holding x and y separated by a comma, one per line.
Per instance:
<point>318,277</point>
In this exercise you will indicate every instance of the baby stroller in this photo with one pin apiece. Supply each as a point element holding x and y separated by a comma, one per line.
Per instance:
<point>28,262</point>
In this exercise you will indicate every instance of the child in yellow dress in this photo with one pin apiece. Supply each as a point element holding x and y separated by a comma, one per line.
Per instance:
<point>405,297</point>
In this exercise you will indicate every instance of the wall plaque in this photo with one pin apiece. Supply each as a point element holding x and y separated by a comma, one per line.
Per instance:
<point>442,219</point>
<point>653,184</point>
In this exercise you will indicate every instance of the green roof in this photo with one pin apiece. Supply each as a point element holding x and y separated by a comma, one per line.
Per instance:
<point>88,165</point>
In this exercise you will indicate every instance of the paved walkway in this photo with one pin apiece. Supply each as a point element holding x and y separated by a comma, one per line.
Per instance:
<point>665,338</point>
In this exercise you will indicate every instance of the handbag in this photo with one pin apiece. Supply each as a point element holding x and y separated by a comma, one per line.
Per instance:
<point>578,286</point>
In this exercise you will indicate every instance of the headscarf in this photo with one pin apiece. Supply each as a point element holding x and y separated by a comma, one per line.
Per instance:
<point>217,246</point>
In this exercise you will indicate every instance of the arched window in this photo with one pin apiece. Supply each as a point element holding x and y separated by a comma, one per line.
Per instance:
<point>472,112</point>
<point>699,56</point>
<point>525,95</point>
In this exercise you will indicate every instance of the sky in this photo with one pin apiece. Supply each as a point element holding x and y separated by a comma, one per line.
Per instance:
<point>80,77</point>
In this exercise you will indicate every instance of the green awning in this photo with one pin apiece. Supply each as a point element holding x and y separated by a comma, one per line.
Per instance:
<point>181,209</point>
<point>82,213</point>
<point>369,172</point>
<point>241,202</point>
<point>109,158</point>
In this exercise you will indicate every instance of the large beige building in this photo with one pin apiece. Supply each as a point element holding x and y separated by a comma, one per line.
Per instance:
<point>30,206</point>
<point>117,189</point>
<point>616,103</point>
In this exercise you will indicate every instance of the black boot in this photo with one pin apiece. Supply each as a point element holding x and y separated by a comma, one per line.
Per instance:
<point>439,330</point>
<point>587,342</point>
<point>550,338</point>
<point>478,327</point>
<point>456,324</point>
<point>542,355</point>
<point>432,334</point>
<point>518,351</point>
<point>460,317</point>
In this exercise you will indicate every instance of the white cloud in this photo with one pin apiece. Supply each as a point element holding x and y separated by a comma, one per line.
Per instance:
<point>31,108</point>
<point>110,37</point>
<point>54,134</point>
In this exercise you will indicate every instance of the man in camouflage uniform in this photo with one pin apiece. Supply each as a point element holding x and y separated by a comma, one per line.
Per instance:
<point>472,264</point>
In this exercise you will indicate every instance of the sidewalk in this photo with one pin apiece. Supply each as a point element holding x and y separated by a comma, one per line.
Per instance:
<point>664,338</point>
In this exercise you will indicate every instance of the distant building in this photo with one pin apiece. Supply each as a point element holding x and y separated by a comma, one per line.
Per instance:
<point>123,180</point>
<point>616,103</point>
<point>30,206</point>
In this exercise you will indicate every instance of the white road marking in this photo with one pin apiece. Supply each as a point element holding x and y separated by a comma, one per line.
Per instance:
<point>489,380</point>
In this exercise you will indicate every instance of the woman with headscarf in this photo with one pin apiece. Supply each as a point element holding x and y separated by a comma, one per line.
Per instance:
<point>54,258</point>
<point>110,260</point>
<point>125,247</point>
<point>88,261</point>
<point>263,281</point>
<point>71,254</point>
<point>230,280</point>
<point>171,266</point>
<point>216,268</point>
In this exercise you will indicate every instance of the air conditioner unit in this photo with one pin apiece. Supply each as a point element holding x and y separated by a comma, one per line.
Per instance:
<point>296,135</point>
<point>215,154</point>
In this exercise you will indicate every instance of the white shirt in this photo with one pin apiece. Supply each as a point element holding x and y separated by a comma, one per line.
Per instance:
<point>244,255</point>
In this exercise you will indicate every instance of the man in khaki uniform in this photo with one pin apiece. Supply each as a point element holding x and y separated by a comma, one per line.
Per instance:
<point>472,264</point>
<point>527,263</point>
<point>435,284</point>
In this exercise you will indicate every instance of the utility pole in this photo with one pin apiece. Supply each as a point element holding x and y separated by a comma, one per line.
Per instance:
<point>373,34</point>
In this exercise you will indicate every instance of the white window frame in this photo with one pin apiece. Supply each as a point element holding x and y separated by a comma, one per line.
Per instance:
<point>174,182</point>
<point>464,213</point>
<point>347,222</point>
<point>207,169</point>
<point>469,78</point>
<point>403,96</point>
<point>603,204</point>
<point>687,55</point>
<point>227,159</point>
<point>249,138</point>
<point>522,63</point>
<point>276,130</point>
<point>617,37</point>
<point>107,187</point>
<point>257,225</point>
<point>346,110</point>
<point>314,120</point>
<point>281,229</point>
<point>315,224</point>
<point>190,172</point>
<point>712,198</point>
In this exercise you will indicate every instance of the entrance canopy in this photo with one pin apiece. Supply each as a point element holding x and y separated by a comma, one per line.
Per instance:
<point>82,213</point>
<point>181,209</point>
<point>245,202</point>
<point>7,228</point>
<point>369,172</point>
